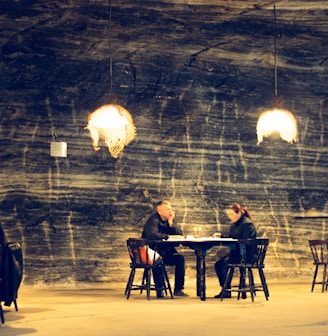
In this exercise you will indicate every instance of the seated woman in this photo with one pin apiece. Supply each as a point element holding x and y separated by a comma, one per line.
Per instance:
<point>242,228</point>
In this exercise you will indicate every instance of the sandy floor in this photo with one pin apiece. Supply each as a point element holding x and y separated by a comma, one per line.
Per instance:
<point>291,310</point>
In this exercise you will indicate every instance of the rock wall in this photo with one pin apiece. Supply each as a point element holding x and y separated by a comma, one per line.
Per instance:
<point>195,75</point>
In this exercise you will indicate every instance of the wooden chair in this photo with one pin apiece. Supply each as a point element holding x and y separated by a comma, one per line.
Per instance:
<point>1,284</point>
<point>253,252</point>
<point>144,258</point>
<point>319,250</point>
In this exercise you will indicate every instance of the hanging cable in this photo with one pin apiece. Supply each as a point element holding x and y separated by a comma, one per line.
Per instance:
<point>110,47</point>
<point>275,52</point>
<point>278,119</point>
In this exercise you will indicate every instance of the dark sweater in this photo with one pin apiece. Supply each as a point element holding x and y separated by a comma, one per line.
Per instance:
<point>157,229</point>
<point>242,229</point>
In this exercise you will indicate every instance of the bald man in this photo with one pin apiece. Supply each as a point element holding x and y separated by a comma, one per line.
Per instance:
<point>158,227</point>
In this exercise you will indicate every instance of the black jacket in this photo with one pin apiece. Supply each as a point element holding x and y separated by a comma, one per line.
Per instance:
<point>11,272</point>
<point>242,229</point>
<point>157,229</point>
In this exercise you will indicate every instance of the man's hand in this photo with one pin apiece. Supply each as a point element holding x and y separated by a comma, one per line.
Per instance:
<point>171,218</point>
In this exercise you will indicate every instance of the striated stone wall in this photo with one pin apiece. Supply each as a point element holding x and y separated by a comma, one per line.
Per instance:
<point>195,75</point>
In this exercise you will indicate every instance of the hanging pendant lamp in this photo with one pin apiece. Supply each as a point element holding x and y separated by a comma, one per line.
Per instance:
<point>277,120</point>
<point>111,123</point>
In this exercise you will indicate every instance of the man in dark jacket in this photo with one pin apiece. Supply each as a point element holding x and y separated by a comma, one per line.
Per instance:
<point>2,237</point>
<point>242,228</point>
<point>11,270</point>
<point>160,226</point>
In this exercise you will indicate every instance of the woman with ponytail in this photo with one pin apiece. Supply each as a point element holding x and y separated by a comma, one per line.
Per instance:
<point>242,228</point>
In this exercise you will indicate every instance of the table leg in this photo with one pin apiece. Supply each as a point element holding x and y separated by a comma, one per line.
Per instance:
<point>201,274</point>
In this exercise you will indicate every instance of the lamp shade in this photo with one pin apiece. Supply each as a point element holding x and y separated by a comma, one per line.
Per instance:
<point>113,124</point>
<point>277,121</point>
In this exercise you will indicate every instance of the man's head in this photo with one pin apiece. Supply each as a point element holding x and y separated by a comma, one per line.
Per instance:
<point>164,209</point>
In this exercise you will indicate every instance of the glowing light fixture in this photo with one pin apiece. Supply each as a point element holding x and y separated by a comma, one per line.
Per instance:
<point>277,120</point>
<point>111,122</point>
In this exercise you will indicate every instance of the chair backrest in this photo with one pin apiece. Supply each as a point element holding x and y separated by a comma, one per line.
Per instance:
<point>1,285</point>
<point>141,254</point>
<point>253,251</point>
<point>1,250</point>
<point>319,250</point>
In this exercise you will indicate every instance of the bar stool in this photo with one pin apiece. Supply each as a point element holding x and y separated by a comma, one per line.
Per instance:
<point>148,260</point>
<point>253,252</point>
<point>319,250</point>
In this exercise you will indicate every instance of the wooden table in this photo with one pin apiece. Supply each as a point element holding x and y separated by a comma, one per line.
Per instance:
<point>200,246</point>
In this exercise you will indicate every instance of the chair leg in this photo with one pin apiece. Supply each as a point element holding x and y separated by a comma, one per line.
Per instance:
<point>148,280</point>
<point>314,277</point>
<point>1,315</point>
<point>251,283</point>
<point>167,282</point>
<point>165,279</point>
<point>144,281</point>
<point>264,284</point>
<point>227,281</point>
<point>242,283</point>
<point>129,284</point>
<point>15,304</point>
<point>324,277</point>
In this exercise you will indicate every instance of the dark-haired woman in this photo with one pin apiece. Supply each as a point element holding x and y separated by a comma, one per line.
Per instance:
<point>242,228</point>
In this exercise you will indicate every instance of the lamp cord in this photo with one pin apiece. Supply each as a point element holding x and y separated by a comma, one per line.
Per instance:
<point>110,47</point>
<point>275,52</point>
